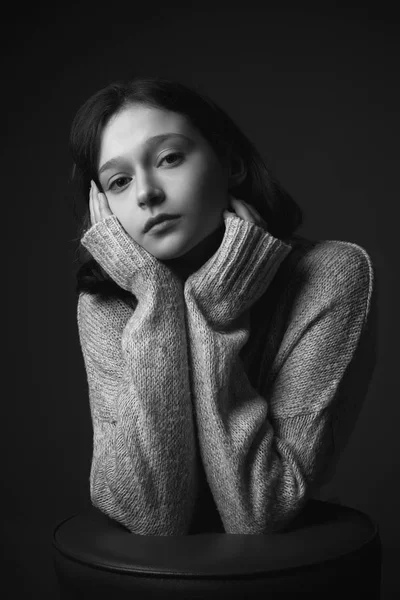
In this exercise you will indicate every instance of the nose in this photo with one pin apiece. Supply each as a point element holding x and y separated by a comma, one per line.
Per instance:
<point>147,190</point>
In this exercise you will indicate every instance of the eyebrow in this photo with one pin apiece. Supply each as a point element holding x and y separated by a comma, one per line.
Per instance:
<point>156,139</point>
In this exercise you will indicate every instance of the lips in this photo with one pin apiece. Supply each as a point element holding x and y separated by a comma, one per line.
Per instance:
<point>158,219</point>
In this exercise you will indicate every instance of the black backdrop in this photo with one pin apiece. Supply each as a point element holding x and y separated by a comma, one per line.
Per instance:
<point>317,91</point>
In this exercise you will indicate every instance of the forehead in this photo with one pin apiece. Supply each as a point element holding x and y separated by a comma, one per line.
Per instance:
<point>129,129</point>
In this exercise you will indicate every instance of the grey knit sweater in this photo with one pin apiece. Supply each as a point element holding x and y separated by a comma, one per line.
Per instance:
<point>224,402</point>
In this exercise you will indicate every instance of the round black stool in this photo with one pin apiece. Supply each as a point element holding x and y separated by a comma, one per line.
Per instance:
<point>329,551</point>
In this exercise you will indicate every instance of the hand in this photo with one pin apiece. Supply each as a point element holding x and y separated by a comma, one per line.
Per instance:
<point>246,212</point>
<point>98,204</point>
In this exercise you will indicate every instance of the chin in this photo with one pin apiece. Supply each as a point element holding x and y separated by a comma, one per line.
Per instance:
<point>170,253</point>
<point>175,246</point>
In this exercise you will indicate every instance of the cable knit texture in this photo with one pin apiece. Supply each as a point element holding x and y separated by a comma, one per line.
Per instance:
<point>223,403</point>
<point>143,471</point>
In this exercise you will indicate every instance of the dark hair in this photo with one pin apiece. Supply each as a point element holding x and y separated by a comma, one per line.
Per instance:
<point>259,187</point>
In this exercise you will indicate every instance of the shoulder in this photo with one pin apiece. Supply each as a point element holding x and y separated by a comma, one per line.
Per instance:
<point>342,260</point>
<point>333,269</point>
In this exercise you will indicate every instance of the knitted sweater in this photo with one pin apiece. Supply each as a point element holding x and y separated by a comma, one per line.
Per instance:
<point>224,402</point>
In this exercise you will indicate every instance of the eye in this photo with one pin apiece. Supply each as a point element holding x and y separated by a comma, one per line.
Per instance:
<point>118,183</point>
<point>172,158</point>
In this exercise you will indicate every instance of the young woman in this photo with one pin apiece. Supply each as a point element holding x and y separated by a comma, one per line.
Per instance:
<point>227,358</point>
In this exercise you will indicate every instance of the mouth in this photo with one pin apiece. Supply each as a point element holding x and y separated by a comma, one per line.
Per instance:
<point>161,223</point>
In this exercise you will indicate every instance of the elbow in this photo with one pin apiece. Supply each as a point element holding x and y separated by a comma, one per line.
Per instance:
<point>140,518</point>
<point>270,512</point>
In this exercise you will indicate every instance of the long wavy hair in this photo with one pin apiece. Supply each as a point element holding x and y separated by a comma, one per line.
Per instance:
<point>259,188</point>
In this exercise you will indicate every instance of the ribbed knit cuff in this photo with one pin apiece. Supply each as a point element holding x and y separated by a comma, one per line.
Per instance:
<point>240,271</point>
<point>119,255</point>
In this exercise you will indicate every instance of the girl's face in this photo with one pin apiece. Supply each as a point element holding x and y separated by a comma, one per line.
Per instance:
<point>154,161</point>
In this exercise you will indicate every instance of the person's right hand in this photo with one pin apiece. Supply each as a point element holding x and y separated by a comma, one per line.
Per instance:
<point>98,205</point>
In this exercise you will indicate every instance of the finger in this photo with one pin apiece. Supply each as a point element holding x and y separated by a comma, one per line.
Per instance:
<point>105,207</point>
<point>258,218</point>
<point>252,213</point>
<point>252,210</point>
<point>96,203</point>
<point>95,208</point>
<point>100,205</point>
<point>242,210</point>
<point>92,221</point>
<point>247,205</point>
<point>231,201</point>
<point>99,202</point>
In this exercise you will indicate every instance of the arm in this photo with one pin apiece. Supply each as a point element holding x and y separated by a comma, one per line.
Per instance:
<point>264,453</point>
<point>143,467</point>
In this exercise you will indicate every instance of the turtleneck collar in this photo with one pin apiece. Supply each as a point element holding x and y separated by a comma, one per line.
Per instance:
<point>236,276</point>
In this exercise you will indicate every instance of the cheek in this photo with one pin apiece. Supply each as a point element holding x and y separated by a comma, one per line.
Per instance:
<point>122,208</point>
<point>122,205</point>
<point>209,183</point>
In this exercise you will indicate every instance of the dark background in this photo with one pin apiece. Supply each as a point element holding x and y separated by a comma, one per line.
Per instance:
<point>316,89</point>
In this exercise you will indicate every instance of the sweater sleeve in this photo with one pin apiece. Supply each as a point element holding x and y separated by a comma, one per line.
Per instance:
<point>143,471</point>
<point>264,454</point>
